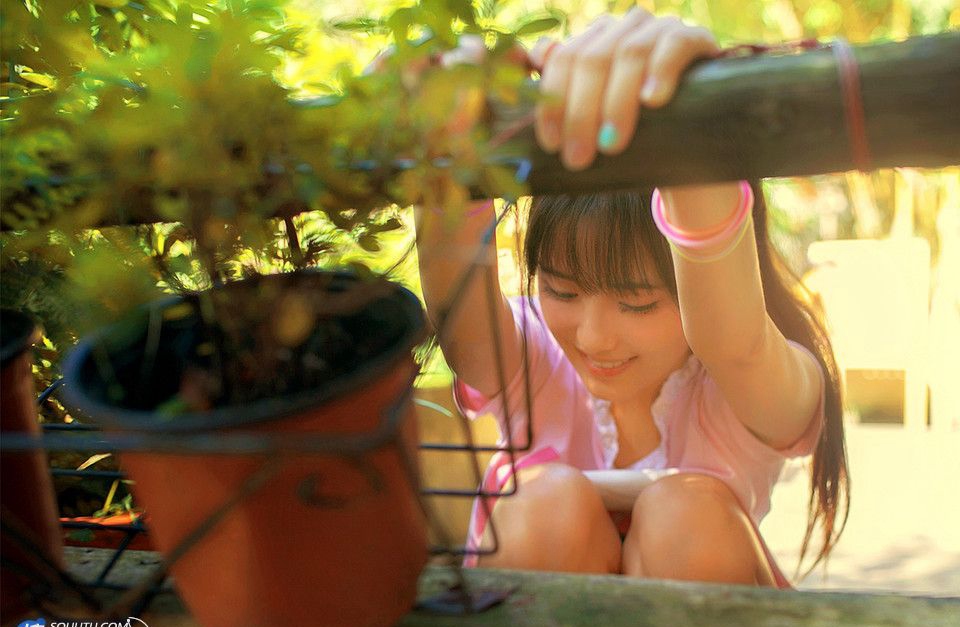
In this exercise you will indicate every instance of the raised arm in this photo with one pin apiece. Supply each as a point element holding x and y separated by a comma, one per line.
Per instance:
<point>772,386</point>
<point>474,323</point>
<point>447,246</point>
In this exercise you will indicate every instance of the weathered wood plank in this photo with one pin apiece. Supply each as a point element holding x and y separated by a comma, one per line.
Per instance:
<point>548,599</point>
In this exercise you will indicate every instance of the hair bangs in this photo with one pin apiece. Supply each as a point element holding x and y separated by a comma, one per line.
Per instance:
<point>602,242</point>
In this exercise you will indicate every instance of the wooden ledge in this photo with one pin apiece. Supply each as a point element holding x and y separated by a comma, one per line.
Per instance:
<point>613,601</point>
<point>551,599</point>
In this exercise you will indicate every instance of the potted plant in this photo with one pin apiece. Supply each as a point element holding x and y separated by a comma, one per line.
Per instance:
<point>264,386</point>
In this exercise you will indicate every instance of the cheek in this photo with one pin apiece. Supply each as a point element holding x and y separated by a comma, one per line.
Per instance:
<point>671,330</point>
<point>664,330</point>
<point>558,318</point>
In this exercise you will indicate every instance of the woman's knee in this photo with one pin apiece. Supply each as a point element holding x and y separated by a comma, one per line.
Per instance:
<point>691,526</point>
<point>554,521</point>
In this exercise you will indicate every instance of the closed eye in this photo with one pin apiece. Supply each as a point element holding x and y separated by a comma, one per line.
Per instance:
<point>558,294</point>
<point>639,309</point>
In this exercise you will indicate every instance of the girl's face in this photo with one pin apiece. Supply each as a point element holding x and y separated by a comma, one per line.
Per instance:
<point>623,344</point>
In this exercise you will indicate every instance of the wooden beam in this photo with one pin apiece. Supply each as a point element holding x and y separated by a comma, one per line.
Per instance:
<point>779,115</point>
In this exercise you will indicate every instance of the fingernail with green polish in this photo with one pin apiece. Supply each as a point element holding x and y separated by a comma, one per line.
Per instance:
<point>607,137</point>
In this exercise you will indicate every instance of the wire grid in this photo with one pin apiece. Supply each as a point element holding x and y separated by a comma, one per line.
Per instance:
<point>136,599</point>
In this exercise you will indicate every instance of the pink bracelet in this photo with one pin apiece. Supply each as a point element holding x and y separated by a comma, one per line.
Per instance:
<point>708,238</point>
<point>701,258</point>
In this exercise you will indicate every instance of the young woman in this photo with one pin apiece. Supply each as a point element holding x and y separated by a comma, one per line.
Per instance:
<point>665,338</point>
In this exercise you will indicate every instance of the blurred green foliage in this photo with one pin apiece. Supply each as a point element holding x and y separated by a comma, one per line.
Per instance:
<point>216,117</point>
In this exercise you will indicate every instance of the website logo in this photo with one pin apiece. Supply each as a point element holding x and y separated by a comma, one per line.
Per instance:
<point>132,621</point>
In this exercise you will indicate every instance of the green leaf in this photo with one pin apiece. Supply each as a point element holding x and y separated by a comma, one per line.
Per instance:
<point>361,24</point>
<point>399,23</point>
<point>369,242</point>
<point>391,224</point>
<point>434,406</point>
<point>184,14</point>
<point>537,26</point>
<point>200,61</point>
<point>93,460</point>
<point>288,40</point>
<point>268,10</point>
<point>463,9</point>
<point>173,406</point>
<point>109,500</point>
<point>44,80</point>
<point>81,535</point>
<point>361,269</point>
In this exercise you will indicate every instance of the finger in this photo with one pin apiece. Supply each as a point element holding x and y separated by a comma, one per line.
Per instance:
<point>541,52</point>
<point>621,102</point>
<point>672,54</point>
<point>548,115</point>
<point>582,115</point>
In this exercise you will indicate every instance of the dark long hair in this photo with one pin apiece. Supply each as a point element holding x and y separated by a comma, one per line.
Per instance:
<point>608,241</point>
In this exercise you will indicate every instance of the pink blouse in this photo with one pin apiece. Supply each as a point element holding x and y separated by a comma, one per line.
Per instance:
<point>699,432</point>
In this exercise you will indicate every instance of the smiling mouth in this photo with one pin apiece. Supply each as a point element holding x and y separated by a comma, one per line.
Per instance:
<point>608,367</point>
<point>608,364</point>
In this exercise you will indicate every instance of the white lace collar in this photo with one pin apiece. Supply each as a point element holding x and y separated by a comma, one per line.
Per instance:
<point>607,424</point>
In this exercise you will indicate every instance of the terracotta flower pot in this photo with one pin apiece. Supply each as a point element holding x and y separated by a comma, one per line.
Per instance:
<point>27,488</point>
<point>329,539</point>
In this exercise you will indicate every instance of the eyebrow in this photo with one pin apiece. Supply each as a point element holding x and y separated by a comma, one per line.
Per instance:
<point>627,287</point>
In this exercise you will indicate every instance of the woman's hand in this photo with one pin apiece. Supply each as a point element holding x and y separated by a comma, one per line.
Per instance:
<point>597,82</point>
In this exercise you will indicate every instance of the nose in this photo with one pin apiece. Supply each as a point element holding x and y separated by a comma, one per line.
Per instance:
<point>595,333</point>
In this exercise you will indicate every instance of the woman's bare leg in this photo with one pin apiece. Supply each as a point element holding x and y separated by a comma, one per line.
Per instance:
<point>691,527</point>
<point>556,522</point>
